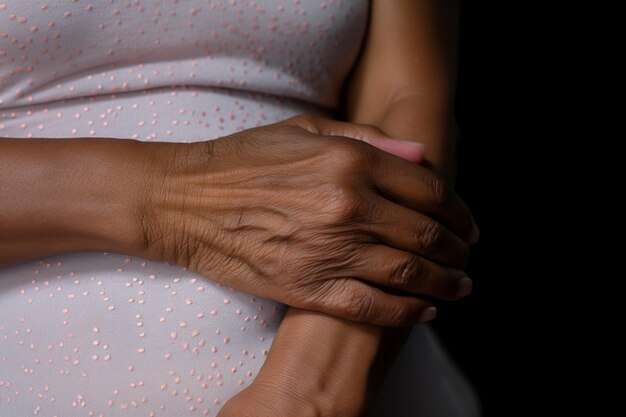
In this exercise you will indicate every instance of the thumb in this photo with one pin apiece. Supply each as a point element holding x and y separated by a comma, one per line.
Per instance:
<point>410,151</point>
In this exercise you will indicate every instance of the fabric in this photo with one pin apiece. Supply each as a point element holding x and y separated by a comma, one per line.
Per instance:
<point>103,334</point>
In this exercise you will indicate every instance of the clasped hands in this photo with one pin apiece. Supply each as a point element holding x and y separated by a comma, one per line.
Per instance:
<point>317,214</point>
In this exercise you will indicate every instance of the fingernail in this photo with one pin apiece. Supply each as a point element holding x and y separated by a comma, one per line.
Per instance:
<point>427,315</point>
<point>474,234</point>
<point>465,287</point>
<point>414,144</point>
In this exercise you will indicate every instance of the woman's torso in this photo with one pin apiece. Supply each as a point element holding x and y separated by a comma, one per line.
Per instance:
<point>91,334</point>
<point>106,334</point>
<point>170,70</point>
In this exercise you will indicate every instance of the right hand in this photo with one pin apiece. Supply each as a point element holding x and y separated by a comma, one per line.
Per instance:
<point>314,221</point>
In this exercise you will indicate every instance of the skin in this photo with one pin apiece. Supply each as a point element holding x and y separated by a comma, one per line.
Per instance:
<point>125,198</point>
<point>320,365</point>
<point>313,226</point>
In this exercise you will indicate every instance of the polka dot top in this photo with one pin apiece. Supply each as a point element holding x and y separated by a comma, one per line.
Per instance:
<point>170,70</point>
<point>103,334</point>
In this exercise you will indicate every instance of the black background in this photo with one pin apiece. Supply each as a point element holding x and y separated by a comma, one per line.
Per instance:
<point>487,155</point>
<point>532,167</point>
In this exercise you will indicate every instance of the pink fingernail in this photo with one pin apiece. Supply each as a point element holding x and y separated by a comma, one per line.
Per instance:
<point>414,144</point>
<point>465,287</point>
<point>427,315</point>
<point>411,151</point>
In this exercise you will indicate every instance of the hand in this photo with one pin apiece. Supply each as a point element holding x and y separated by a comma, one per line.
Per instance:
<point>295,213</point>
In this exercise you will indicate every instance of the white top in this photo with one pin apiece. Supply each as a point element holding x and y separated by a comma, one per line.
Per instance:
<point>97,334</point>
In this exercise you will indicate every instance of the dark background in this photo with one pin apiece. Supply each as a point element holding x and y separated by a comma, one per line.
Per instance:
<point>533,167</point>
<point>472,328</point>
<point>530,186</point>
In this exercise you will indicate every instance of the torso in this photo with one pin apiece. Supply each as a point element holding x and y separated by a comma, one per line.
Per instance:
<point>90,334</point>
<point>170,70</point>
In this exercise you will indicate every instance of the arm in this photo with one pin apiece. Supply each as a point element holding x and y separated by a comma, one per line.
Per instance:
<point>317,362</point>
<point>420,39</point>
<point>70,195</point>
<point>304,235</point>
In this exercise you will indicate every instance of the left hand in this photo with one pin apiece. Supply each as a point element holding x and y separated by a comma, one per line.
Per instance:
<point>288,385</point>
<point>316,221</point>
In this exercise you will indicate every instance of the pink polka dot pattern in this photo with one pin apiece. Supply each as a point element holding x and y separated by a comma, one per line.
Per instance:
<point>105,335</point>
<point>170,70</point>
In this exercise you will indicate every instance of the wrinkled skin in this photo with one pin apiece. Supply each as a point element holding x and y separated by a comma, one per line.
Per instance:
<point>300,213</point>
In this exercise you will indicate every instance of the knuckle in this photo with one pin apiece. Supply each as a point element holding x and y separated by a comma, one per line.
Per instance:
<point>405,271</point>
<point>359,305</point>
<point>430,235</point>
<point>349,207</point>
<point>439,191</point>
<point>349,154</point>
<point>342,203</point>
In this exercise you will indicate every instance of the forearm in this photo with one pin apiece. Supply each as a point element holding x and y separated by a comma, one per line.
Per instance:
<point>322,357</point>
<point>410,118</point>
<point>320,354</point>
<point>310,340</point>
<point>316,356</point>
<point>69,195</point>
<point>412,100</point>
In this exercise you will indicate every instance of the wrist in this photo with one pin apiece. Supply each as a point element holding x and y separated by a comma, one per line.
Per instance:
<point>167,206</point>
<point>321,360</point>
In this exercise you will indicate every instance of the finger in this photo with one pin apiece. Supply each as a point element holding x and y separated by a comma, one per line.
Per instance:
<point>410,151</point>
<point>393,268</point>
<point>407,150</point>
<point>354,300</point>
<point>421,190</point>
<point>408,230</point>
